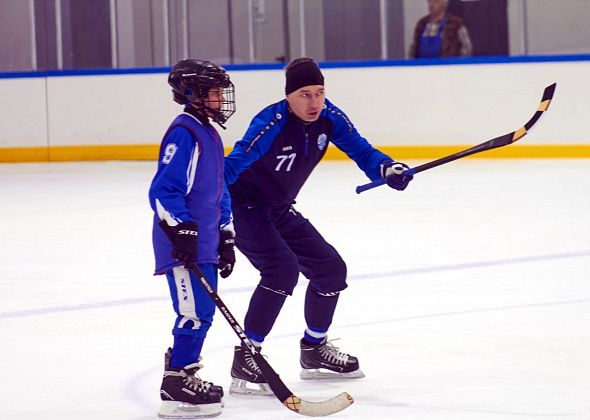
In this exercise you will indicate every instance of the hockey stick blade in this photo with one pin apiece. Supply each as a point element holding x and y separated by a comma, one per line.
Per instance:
<point>501,141</point>
<point>295,403</point>
<point>277,386</point>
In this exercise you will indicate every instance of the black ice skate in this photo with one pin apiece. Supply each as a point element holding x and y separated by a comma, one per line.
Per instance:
<point>186,396</point>
<point>214,388</point>
<point>246,376</point>
<point>325,361</point>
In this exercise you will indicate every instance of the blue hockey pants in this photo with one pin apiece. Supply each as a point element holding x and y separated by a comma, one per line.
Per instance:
<point>281,243</point>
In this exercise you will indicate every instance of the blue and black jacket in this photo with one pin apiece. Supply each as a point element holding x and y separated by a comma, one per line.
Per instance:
<point>278,153</point>
<point>189,186</point>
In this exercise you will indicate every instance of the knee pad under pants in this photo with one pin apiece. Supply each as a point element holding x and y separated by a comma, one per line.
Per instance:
<point>193,306</point>
<point>328,275</point>
<point>280,275</point>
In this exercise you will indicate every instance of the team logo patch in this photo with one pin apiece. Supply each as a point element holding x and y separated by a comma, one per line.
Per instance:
<point>322,141</point>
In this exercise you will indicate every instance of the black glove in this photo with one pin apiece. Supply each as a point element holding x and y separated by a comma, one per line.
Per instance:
<point>185,242</point>
<point>393,172</point>
<point>227,256</point>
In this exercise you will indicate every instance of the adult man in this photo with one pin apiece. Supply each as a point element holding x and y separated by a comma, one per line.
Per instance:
<point>264,174</point>
<point>440,34</point>
<point>186,196</point>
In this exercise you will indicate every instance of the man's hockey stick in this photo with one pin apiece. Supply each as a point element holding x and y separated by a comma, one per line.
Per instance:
<point>278,387</point>
<point>504,140</point>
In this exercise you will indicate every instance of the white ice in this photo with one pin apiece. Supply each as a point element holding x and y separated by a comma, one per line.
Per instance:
<point>468,297</point>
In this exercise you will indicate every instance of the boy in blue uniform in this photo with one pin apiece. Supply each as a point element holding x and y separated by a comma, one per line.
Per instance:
<point>191,204</point>
<point>264,174</point>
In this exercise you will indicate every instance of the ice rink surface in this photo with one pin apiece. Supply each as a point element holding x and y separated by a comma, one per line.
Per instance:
<point>468,297</point>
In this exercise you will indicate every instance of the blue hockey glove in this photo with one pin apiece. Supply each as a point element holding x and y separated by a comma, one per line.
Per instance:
<point>185,242</point>
<point>393,172</point>
<point>227,255</point>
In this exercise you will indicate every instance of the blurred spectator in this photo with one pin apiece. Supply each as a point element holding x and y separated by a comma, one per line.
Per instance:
<point>440,34</point>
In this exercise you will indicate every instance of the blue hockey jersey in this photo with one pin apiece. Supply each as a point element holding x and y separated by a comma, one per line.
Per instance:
<point>269,166</point>
<point>189,185</point>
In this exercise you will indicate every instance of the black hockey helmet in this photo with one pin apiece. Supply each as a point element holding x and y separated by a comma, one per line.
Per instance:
<point>192,79</point>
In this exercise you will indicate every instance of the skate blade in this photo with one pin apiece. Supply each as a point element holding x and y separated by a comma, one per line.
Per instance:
<point>243,387</point>
<point>180,410</point>
<point>306,374</point>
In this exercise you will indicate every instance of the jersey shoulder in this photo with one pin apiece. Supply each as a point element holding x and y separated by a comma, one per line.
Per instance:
<point>266,124</point>
<point>338,117</point>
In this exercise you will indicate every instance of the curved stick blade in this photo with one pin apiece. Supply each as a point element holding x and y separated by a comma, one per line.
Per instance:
<point>319,408</point>
<point>543,106</point>
<point>292,401</point>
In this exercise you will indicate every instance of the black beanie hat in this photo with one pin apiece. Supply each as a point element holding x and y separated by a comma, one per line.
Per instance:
<point>302,73</point>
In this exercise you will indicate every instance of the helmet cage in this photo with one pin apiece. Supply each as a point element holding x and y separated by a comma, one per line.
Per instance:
<point>197,94</point>
<point>192,82</point>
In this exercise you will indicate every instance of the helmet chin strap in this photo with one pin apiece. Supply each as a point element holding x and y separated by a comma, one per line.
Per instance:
<point>207,112</point>
<point>218,123</point>
<point>215,115</point>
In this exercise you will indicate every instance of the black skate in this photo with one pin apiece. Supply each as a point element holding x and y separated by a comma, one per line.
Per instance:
<point>214,388</point>
<point>186,396</point>
<point>245,372</point>
<point>325,361</point>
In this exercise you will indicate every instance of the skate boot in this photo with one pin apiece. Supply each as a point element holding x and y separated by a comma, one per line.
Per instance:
<point>186,396</point>
<point>325,361</point>
<point>246,376</point>
<point>214,388</point>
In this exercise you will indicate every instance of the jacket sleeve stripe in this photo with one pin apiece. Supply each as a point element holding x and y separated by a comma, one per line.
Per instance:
<point>192,168</point>
<point>164,214</point>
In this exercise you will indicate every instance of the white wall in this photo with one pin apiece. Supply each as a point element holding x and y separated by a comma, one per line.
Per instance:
<point>109,109</point>
<point>462,104</point>
<point>408,105</point>
<point>23,112</point>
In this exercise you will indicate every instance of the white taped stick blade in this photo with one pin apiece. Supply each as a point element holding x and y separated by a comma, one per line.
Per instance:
<point>319,408</point>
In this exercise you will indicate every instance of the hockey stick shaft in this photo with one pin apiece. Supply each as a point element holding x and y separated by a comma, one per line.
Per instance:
<point>278,387</point>
<point>500,141</point>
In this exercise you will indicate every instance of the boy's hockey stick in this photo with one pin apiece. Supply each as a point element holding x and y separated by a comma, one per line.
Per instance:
<point>278,387</point>
<point>504,140</point>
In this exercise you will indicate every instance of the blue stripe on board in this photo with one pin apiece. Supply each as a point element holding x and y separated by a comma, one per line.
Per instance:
<point>324,65</point>
<point>84,72</point>
<point>406,272</point>
<point>457,60</point>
